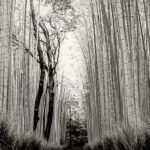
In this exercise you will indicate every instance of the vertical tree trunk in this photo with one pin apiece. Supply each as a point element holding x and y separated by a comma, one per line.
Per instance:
<point>51,103</point>
<point>42,67</point>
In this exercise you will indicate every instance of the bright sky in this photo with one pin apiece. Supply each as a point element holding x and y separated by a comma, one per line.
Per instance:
<point>71,58</point>
<point>71,62</point>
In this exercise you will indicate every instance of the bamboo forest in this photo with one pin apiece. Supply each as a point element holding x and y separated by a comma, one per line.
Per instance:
<point>74,74</point>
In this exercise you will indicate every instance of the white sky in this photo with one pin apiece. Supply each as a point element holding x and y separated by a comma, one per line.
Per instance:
<point>71,59</point>
<point>71,63</point>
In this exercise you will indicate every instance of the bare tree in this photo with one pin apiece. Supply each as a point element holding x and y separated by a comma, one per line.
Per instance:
<point>49,33</point>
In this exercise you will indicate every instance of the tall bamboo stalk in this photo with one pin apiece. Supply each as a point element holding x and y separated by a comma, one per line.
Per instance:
<point>117,62</point>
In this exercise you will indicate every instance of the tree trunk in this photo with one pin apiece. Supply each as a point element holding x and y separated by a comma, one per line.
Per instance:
<point>51,104</point>
<point>42,67</point>
<point>38,96</point>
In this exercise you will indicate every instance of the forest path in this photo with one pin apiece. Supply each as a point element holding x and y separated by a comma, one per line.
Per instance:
<point>76,148</point>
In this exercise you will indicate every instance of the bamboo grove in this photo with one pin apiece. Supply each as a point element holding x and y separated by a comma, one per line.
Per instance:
<point>29,54</point>
<point>117,54</point>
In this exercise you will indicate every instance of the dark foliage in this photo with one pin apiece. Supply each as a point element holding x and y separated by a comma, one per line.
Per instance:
<point>11,141</point>
<point>7,139</point>
<point>76,133</point>
<point>126,139</point>
<point>109,144</point>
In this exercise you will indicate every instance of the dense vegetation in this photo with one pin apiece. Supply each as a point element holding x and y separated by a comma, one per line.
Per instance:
<point>116,54</point>
<point>114,37</point>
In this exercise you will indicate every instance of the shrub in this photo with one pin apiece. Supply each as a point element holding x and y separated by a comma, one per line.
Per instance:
<point>11,141</point>
<point>123,139</point>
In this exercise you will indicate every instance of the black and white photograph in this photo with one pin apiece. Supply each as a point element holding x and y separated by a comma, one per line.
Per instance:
<point>74,74</point>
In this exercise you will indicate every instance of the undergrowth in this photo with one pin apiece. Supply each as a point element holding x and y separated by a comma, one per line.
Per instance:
<point>9,140</point>
<point>123,138</point>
